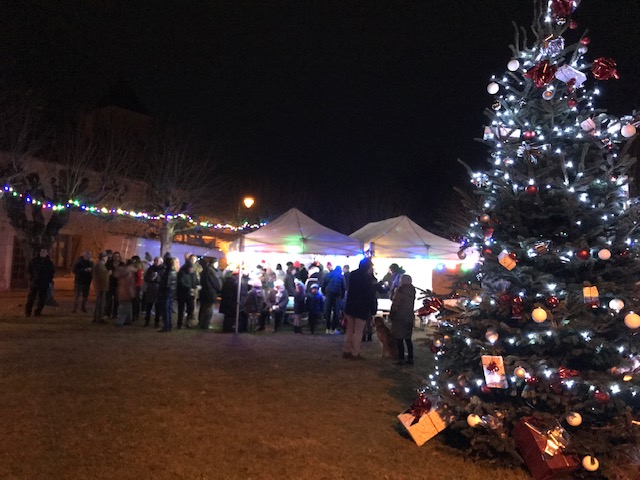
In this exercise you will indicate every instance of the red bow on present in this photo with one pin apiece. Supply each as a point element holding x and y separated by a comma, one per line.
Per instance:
<point>604,68</point>
<point>562,8</point>
<point>516,306</point>
<point>542,74</point>
<point>420,406</point>
<point>492,367</point>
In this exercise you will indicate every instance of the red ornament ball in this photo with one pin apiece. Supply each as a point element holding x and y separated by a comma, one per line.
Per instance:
<point>572,102</point>
<point>529,134</point>
<point>583,254</point>
<point>531,189</point>
<point>585,41</point>
<point>601,397</point>
<point>533,381</point>
<point>486,390</point>
<point>487,251</point>
<point>553,302</point>
<point>573,24</point>
<point>462,255</point>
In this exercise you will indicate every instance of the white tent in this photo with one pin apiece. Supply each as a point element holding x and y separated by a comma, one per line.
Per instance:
<point>294,233</point>
<point>400,237</point>
<point>402,241</point>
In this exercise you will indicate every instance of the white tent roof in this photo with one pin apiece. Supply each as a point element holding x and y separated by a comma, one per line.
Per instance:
<point>295,233</point>
<point>400,237</point>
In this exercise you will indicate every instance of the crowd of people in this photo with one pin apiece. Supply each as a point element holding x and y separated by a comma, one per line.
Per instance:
<point>126,290</point>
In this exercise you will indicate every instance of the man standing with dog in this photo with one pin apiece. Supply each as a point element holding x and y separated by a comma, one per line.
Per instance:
<point>360,307</point>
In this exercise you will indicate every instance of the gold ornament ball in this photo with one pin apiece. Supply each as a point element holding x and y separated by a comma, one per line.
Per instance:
<point>590,464</point>
<point>493,88</point>
<point>627,378</point>
<point>604,254</point>
<point>628,131</point>
<point>437,342</point>
<point>474,420</point>
<point>520,372</point>
<point>632,320</point>
<point>574,419</point>
<point>485,218</point>
<point>539,315</point>
<point>616,304</point>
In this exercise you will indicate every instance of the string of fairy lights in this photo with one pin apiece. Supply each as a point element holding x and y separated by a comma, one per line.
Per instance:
<point>123,212</point>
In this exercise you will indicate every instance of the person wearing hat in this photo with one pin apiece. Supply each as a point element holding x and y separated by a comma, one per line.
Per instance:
<point>315,306</point>
<point>100,286</point>
<point>361,305</point>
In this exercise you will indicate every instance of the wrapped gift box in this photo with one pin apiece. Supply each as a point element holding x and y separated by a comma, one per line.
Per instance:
<point>494,373</point>
<point>591,296</point>
<point>532,444</point>
<point>506,261</point>
<point>424,427</point>
<point>566,73</point>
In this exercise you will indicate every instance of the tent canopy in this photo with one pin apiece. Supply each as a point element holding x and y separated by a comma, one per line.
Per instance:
<point>295,233</point>
<point>400,237</point>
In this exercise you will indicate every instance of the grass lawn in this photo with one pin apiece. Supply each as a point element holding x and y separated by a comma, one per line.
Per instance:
<point>87,401</point>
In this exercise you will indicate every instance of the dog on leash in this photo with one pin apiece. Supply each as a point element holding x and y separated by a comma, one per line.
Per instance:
<point>388,343</point>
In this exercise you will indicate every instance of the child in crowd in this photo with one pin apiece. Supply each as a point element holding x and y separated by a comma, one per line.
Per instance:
<point>299,306</point>
<point>315,306</point>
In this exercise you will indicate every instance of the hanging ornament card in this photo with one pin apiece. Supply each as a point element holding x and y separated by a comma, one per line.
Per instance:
<point>494,374</point>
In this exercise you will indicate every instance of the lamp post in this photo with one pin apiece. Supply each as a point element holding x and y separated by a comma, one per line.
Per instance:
<point>248,203</point>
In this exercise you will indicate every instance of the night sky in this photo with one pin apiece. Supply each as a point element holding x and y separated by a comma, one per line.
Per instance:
<point>355,111</point>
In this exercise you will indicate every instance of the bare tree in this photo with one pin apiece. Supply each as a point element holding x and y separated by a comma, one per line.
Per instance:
<point>181,179</point>
<point>39,206</point>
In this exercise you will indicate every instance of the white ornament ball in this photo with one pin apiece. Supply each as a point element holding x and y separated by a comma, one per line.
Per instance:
<point>628,131</point>
<point>588,125</point>
<point>520,372</point>
<point>474,420</point>
<point>539,315</point>
<point>493,88</point>
<point>616,304</point>
<point>513,65</point>
<point>632,320</point>
<point>583,50</point>
<point>604,254</point>
<point>492,336</point>
<point>590,464</point>
<point>574,419</point>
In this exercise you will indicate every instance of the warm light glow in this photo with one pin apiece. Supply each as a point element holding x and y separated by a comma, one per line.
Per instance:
<point>248,201</point>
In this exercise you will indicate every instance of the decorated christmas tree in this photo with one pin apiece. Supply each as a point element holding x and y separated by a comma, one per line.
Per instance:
<point>542,361</point>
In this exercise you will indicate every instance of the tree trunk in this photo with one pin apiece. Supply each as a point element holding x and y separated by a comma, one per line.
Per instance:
<point>166,237</point>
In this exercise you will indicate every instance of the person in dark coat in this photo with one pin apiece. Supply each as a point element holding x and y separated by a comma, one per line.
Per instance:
<point>151,295</point>
<point>229,302</point>
<point>211,287</point>
<point>112,294</point>
<point>361,306</point>
<point>166,292</point>
<point>402,318</point>
<point>299,307</point>
<point>290,280</point>
<point>315,306</point>
<point>186,292</point>
<point>83,274</point>
<point>254,304</point>
<point>333,290</point>
<point>276,301</point>
<point>40,272</point>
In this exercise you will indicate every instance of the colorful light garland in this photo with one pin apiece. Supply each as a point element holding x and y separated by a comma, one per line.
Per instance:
<point>98,210</point>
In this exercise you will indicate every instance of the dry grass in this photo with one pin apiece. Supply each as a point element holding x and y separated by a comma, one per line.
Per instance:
<point>84,401</point>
